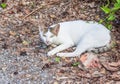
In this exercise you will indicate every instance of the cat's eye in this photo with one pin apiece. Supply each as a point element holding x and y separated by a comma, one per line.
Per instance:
<point>44,35</point>
<point>52,36</point>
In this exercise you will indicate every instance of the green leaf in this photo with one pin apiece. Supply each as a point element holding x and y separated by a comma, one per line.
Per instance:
<point>3,5</point>
<point>111,17</point>
<point>57,59</point>
<point>116,6</point>
<point>106,9</point>
<point>101,21</point>
<point>76,64</point>
<point>118,1</point>
<point>110,27</point>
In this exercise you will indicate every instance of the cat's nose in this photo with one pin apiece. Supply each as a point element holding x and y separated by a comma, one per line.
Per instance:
<point>47,42</point>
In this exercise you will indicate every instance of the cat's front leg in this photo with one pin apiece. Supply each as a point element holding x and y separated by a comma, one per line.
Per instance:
<point>72,54</point>
<point>60,48</point>
<point>50,53</point>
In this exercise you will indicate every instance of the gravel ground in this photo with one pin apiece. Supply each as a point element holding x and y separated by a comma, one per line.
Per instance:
<point>23,57</point>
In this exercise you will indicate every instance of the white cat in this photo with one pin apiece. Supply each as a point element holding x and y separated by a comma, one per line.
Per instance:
<point>85,35</point>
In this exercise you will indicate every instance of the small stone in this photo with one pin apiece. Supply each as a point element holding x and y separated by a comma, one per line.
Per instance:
<point>4,68</point>
<point>28,75</point>
<point>25,43</point>
<point>12,33</point>
<point>36,17</point>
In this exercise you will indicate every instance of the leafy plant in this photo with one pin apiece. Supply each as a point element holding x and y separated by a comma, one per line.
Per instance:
<point>110,12</point>
<point>3,5</point>
<point>57,59</point>
<point>75,64</point>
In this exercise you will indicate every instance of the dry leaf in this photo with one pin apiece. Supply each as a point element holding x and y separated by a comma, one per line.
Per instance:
<point>108,67</point>
<point>103,71</point>
<point>4,68</point>
<point>25,43</point>
<point>26,11</point>
<point>115,64</point>
<point>28,75</point>
<point>12,33</point>
<point>52,16</point>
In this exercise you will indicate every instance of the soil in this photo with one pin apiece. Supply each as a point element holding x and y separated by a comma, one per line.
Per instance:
<point>23,58</point>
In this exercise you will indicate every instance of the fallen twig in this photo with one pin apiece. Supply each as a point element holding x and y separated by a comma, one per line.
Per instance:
<point>42,6</point>
<point>108,67</point>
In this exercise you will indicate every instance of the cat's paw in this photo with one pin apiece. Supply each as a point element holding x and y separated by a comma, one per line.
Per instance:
<point>66,54</point>
<point>59,54</point>
<point>50,53</point>
<point>62,55</point>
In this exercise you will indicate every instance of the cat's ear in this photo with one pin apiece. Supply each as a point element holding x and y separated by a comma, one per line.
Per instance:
<point>56,29</point>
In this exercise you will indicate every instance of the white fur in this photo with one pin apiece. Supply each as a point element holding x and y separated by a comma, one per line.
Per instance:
<point>82,34</point>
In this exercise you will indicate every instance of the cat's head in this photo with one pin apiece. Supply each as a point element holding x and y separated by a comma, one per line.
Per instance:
<point>48,35</point>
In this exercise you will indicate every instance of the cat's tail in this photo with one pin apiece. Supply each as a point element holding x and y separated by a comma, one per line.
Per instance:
<point>107,47</point>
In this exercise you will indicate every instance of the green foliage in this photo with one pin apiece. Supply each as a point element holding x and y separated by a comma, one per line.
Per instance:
<point>57,59</point>
<point>118,1</point>
<point>105,9</point>
<point>3,5</point>
<point>110,12</point>
<point>75,64</point>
